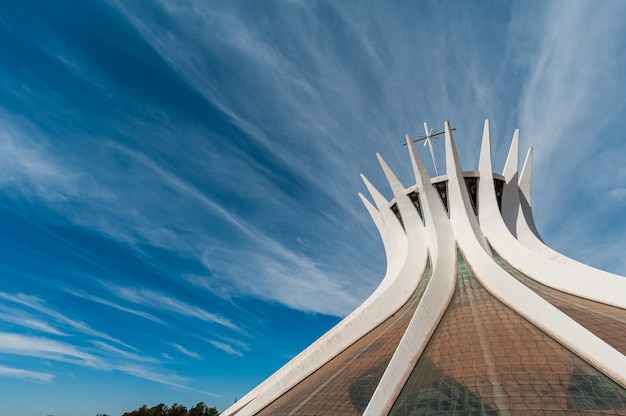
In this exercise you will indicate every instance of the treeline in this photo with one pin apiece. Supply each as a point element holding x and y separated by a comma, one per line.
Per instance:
<point>176,409</point>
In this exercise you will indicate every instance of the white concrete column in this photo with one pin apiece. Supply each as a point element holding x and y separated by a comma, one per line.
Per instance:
<point>393,292</point>
<point>564,277</point>
<point>523,300</point>
<point>435,300</point>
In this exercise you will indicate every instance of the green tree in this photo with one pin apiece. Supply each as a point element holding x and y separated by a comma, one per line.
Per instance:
<point>201,409</point>
<point>142,411</point>
<point>161,409</point>
<point>177,410</point>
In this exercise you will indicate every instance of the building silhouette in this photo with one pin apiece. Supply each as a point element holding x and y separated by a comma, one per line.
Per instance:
<point>475,315</point>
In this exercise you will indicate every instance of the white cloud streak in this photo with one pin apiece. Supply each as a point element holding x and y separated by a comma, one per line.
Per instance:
<point>19,318</point>
<point>18,344</point>
<point>227,348</point>
<point>569,93</point>
<point>44,348</point>
<point>157,300</point>
<point>25,374</point>
<point>113,305</point>
<point>57,182</point>
<point>40,306</point>
<point>186,352</point>
<point>130,355</point>
<point>171,380</point>
<point>279,263</point>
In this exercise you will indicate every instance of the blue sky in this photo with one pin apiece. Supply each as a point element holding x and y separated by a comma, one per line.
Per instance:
<point>178,179</point>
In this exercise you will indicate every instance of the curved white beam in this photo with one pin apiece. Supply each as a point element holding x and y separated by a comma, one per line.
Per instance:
<point>541,313</point>
<point>528,235</point>
<point>386,300</point>
<point>398,243</point>
<point>432,206</point>
<point>510,194</point>
<point>560,276</point>
<point>516,295</point>
<point>525,227</point>
<point>413,226</point>
<point>462,215</point>
<point>435,300</point>
<point>394,260</point>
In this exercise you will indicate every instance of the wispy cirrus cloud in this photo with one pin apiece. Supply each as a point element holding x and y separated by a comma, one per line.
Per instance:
<point>571,92</point>
<point>227,348</point>
<point>185,351</point>
<point>26,165</point>
<point>39,305</point>
<point>125,354</point>
<point>112,206</point>
<point>19,318</point>
<point>151,298</point>
<point>18,344</point>
<point>114,305</point>
<point>168,379</point>
<point>277,261</point>
<point>25,374</point>
<point>114,359</point>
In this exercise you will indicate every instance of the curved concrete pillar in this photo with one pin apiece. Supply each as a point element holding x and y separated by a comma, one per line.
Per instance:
<point>435,215</point>
<point>520,298</point>
<point>510,193</point>
<point>394,261</point>
<point>546,271</point>
<point>413,228</point>
<point>435,300</point>
<point>462,215</point>
<point>413,225</point>
<point>397,250</point>
<point>541,313</point>
<point>391,294</point>
<point>529,236</point>
<point>525,226</point>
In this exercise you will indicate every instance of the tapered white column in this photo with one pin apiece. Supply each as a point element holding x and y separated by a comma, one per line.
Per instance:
<point>563,277</point>
<point>510,193</point>
<point>437,296</point>
<point>528,235</point>
<point>526,229</point>
<point>516,295</point>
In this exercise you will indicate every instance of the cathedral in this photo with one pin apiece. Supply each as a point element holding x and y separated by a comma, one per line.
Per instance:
<point>474,316</point>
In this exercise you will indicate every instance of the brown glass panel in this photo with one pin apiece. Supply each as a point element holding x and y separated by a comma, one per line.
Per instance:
<point>344,385</point>
<point>484,359</point>
<point>607,322</point>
